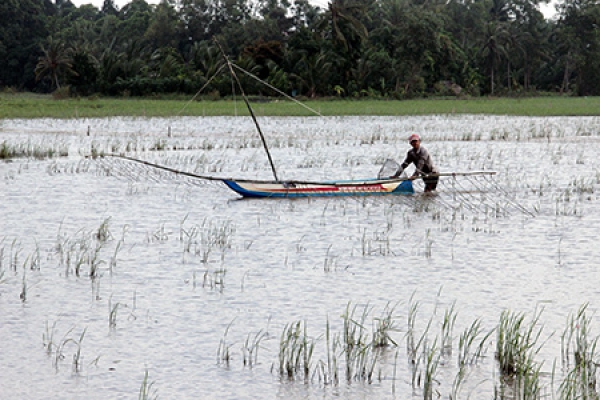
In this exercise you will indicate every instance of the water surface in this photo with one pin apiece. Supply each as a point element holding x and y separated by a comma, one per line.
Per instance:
<point>182,269</point>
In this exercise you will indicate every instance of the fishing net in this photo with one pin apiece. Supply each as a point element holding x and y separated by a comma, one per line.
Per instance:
<point>466,194</point>
<point>139,171</point>
<point>388,169</point>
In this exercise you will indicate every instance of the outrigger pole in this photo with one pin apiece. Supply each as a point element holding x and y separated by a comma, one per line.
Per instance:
<point>234,75</point>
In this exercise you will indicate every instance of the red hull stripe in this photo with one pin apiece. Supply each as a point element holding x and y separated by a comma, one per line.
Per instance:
<point>361,188</point>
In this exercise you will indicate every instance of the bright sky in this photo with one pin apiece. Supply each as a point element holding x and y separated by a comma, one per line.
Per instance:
<point>547,10</point>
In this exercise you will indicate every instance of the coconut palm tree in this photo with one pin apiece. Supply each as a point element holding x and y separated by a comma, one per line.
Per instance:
<point>493,48</point>
<point>341,19</point>
<point>55,63</point>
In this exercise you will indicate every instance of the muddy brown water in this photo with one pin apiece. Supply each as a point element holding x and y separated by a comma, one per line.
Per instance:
<point>183,270</point>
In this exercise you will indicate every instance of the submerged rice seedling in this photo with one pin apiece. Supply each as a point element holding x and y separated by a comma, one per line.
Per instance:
<point>112,313</point>
<point>383,326</point>
<point>32,150</point>
<point>516,349</point>
<point>581,379</point>
<point>357,347</point>
<point>23,295</point>
<point>251,346</point>
<point>329,264</point>
<point>103,233</point>
<point>58,354</point>
<point>113,259</point>
<point>159,235</point>
<point>447,327</point>
<point>377,243</point>
<point>13,258</point>
<point>66,341</point>
<point>95,261</point>
<point>223,352</point>
<point>413,344</point>
<point>431,362</point>
<point>466,354</point>
<point>459,379</point>
<point>147,391</point>
<point>516,343</point>
<point>215,279</point>
<point>295,352</point>
<point>77,359</point>
<point>332,361</point>
<point>48,337</point>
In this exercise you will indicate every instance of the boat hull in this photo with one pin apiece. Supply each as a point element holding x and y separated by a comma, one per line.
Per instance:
<point>326,189</point>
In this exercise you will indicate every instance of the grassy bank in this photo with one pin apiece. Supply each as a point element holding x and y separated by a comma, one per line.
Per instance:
<point>38,106</point>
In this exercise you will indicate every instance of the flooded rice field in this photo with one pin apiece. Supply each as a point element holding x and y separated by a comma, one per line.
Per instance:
<point>118,280</point>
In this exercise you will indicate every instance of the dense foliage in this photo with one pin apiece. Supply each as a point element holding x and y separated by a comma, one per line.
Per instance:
<point>352,48</point>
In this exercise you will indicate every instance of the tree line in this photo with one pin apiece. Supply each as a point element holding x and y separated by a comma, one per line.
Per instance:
<point>351,48</point>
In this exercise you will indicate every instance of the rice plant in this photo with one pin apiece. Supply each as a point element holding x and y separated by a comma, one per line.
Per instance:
<point>577,340</point>
<point>77,359</point>
<point>31,150</point>
<point>447,328</point>
<point>202,240</point>
<point>428,243</point>
<point>33,261</point>
<point>147,390</point>
<point>458,382</point>
<point>103,233</point>
<point>23,294</point>
<point>214,278</point>
<point>161,234</point>
<point>187,236</point>
<point>330,374</point>
<point>413,343</point>
<point>516,343</point>
<point>95,261</point>
<point>251,346</point>
<point>2,259</point>
<point>113,259</point>
<point>329,264</point>
<point>295,352</point>
<point>48,338</point>
<point>431,357</point>
<point>15,251</point>
<point>218,233</point>
<point>60,348</point>
<point>223,352</point>
<point>516,349</point>
<point>467,352</point>
<point>383,326</point>
<point>112,313</point>
<point>357,347</point>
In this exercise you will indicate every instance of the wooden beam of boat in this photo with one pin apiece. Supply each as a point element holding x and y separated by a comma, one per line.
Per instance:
<point>239,84</point>
<point>267,181</point>
<point>293,181</point>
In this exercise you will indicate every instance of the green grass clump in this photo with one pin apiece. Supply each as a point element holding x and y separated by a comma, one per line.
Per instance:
<point>577,341</point>
<point>295,352</point>
<point>516,348</point>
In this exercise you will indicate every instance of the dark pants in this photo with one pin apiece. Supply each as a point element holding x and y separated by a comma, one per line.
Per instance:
<point>431,183</point>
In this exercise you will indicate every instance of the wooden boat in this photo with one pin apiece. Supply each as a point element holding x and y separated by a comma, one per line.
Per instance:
<point>365,187</point>
<point>359,187</point>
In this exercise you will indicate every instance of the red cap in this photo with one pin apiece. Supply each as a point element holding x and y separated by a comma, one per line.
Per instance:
<point>414,136</point>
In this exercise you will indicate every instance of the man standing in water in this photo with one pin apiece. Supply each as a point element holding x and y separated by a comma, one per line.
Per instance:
<point>423,163</point>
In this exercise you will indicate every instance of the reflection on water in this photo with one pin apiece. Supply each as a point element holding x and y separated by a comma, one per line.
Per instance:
<point>108,271</point>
